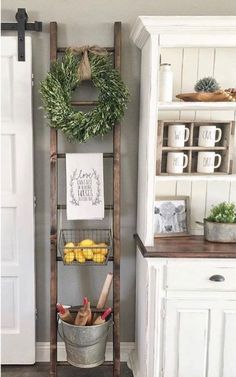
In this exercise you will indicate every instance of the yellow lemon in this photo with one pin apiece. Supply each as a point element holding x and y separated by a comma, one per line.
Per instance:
<point>77,249</point>
<point>95,249</point>
<point>99,258</point>
<point>86,243</point>
<point>69,257</point>
<point>79,256</point>
<point>103,250</point>
<point>88,253</point>
<point>69,244</point>
<point>68,247</point>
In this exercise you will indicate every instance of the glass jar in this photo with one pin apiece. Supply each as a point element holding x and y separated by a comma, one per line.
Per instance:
<point>165,83</point>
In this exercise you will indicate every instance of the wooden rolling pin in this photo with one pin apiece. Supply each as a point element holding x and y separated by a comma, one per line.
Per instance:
<point>84,314</point>
<point>90,315</point>
<point>105,291</point>
<point>64,314</point>
<point>102,318</point>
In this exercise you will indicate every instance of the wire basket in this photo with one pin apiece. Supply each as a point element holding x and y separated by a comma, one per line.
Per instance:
<point>85,246</point>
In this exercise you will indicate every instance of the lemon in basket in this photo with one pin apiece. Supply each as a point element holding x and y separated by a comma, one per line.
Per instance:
<point>79,256</point>
<point>103,250</point>
<point>86,243</point>
<point>88,254</point>
<point>68,247</point>
<point>99,258</point>
<point>69,257</point>
<point>95,249</point>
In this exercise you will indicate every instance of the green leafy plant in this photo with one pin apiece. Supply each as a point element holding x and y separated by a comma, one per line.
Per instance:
<point>207,84</point>
<point>61,82</point>
<point>223,213</point>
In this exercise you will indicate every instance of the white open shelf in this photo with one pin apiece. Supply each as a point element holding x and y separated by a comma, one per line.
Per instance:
<point>197,177</point>
<point>195,47</point>
<point>206,106</point>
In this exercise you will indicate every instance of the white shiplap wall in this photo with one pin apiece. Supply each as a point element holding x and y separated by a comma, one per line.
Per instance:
<point>189,65</point>
<point>203,194</point>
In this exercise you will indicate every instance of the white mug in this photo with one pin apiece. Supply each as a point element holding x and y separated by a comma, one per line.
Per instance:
<point>207,135</point>
<point>206,162</point>
<point>176,162</point>
<point>177,135</point>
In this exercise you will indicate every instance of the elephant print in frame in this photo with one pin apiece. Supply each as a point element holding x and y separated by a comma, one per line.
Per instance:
<point>171,216</point>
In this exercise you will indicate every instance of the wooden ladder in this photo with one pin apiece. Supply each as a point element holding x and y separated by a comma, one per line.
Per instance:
<point>55,206</point>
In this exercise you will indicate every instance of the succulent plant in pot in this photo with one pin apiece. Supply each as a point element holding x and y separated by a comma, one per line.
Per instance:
<point>220,225</point>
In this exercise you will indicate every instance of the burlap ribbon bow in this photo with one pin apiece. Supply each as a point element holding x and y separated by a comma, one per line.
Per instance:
<point>84,69</point>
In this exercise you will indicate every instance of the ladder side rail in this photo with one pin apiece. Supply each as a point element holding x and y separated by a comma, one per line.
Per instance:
<point>53,215</point>
<point>116,217</point>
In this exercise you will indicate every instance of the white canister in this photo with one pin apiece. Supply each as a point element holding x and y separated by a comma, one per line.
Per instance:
<point>165,83</point>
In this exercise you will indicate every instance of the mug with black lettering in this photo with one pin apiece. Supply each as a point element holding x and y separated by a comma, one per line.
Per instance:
<point>178,134</point>
<point>206,162</point>
<point>176,162</point>
<point>209,135</point>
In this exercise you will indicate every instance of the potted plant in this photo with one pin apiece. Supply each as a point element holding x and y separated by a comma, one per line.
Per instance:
<point>220,225</point>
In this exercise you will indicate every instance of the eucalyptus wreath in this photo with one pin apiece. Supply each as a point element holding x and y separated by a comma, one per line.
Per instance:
<point>63,79</point>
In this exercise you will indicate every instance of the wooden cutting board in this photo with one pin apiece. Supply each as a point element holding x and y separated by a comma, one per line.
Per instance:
<point>206,97</point>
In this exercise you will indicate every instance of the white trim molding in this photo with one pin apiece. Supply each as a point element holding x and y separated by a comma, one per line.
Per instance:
<point>43,351</point>
<point>210,25</point>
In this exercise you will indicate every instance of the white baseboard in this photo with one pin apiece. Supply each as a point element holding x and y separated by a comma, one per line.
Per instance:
<point>43,351</point>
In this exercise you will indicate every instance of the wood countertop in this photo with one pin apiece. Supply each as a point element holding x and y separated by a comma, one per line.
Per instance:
<point>186,247</point>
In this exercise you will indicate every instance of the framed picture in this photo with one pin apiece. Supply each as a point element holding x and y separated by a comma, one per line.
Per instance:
<point>171,216</point>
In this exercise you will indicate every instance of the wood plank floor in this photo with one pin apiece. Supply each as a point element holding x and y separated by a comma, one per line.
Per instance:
<point>42,370</point>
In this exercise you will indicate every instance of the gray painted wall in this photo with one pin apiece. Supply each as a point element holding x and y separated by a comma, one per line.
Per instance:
<point>91,22</point>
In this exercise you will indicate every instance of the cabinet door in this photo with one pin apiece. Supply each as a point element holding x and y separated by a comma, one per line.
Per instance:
<point>200,339</point>
<point>222,349</point>
<point>187,329</point>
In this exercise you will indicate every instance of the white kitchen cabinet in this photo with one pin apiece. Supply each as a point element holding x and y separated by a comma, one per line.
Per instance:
<point>186,337</point>
<point>199,338</point>
<point>185,331</point>
<point>185,324</point>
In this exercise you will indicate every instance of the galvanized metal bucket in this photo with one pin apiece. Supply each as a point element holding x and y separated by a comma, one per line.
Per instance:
<point>219,232</point>
<point>85,345</point>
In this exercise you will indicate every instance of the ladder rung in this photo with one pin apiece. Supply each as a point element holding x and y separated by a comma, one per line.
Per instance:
<point>110,259</point>
<point>107,207</point>
<point>63,49</point>
<point>105,155</point>
<point>84,103</point>
<point>65,363</point>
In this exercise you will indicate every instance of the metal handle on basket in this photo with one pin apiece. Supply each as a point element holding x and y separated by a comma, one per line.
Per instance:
<point>58,328</point>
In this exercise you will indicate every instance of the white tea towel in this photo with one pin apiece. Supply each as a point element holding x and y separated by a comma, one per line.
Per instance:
<point>85,190</point>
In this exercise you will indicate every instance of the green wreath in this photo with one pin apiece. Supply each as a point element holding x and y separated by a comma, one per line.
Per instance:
<point>63,79</point>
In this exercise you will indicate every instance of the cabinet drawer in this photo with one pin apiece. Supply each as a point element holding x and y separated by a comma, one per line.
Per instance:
<point>189,276</point>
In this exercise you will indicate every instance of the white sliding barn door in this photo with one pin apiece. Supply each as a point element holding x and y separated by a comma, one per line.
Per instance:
<point>17,206</point>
